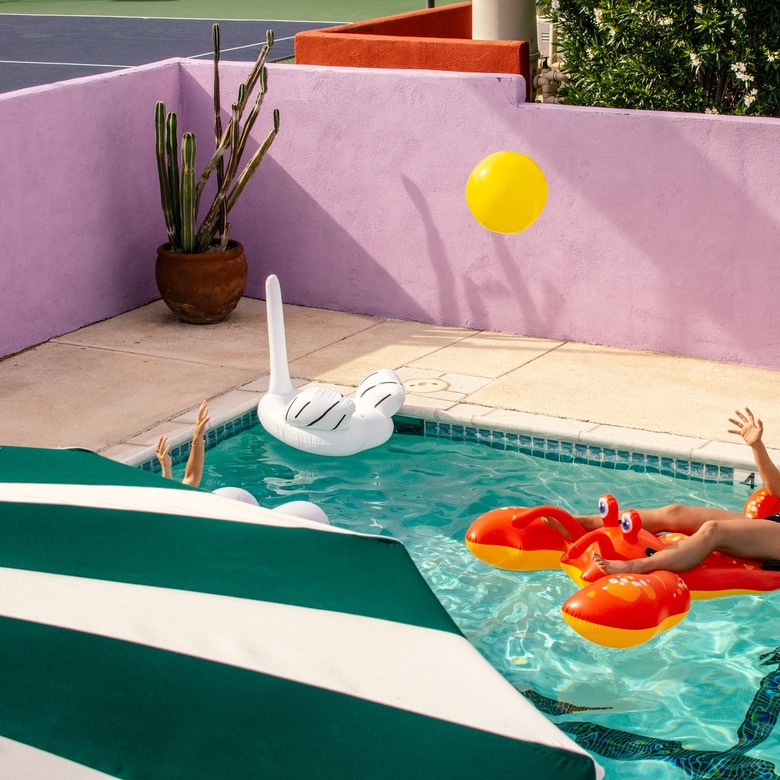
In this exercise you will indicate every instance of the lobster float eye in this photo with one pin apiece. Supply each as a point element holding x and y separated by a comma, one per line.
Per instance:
<point>608,509</point>
<point>630,525</point>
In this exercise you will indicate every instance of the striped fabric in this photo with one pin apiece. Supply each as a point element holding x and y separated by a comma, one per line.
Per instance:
<point>142,637</point>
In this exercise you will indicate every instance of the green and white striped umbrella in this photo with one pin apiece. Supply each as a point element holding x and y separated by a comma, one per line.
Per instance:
<point>152,630</point>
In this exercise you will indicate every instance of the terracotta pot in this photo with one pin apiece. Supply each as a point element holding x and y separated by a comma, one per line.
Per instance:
<point>201,288</point>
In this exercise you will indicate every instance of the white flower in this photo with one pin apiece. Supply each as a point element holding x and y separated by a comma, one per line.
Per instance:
<point>695,61</point>
<point>665,21</point>
<point>710,110</point>
<point>772,56</point>
<point>738,12</point>
<point>598,13</point>
<point>740,71</point>
<point>750,97</point>
<point>698,8</point>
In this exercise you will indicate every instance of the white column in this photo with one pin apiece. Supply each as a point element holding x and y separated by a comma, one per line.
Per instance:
<point>506,20</point>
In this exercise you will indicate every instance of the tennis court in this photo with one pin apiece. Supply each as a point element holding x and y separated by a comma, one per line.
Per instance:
<point>51,40</point>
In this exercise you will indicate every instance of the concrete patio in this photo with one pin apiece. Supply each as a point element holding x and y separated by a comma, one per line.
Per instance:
<point>115,386</point>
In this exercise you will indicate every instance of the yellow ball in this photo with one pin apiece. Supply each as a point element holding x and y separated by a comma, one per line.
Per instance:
<point>506,192</point>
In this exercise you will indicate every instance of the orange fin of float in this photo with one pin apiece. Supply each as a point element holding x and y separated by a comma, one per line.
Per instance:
<point>761,504</point>
<point>518,538</point>
<point>625,610</point>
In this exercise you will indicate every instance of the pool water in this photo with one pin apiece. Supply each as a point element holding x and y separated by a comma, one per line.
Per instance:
<point>671,708</point>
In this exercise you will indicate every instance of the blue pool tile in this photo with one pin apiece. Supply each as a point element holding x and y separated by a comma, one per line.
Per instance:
<point>537,446</point>
<point>683,467</point>
<point>595,454</point>
<point>711,473</point>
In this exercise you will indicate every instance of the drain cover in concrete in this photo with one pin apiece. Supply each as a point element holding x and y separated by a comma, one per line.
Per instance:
<point>425,385</point>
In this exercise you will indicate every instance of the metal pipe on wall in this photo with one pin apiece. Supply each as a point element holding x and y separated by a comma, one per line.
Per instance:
<point>506,20</point>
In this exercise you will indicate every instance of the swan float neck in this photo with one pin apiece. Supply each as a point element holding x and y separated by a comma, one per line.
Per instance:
<point>280,383</point>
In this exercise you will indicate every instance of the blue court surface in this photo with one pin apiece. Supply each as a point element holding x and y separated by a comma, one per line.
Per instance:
<point>41,49</point>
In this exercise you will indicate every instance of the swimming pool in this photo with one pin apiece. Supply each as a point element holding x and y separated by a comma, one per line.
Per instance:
<point>669,709</point>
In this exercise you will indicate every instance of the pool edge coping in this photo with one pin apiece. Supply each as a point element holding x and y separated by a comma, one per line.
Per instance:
<point>234,404</point>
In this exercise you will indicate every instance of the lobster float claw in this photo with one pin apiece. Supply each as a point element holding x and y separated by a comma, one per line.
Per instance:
<point>626,610</point>
<point>520,538</point>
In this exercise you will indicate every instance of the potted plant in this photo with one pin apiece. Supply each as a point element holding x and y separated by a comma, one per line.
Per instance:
<point>201,270</point>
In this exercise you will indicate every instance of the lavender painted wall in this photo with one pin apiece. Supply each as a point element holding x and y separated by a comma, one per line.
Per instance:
<point>661,231</point>
<point>77,201</point>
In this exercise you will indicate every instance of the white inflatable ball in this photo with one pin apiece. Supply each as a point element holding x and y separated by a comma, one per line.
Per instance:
<point>239,494</point>
<point>304,509</point>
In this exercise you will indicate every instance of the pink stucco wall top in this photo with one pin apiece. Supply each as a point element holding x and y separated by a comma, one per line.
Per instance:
<point>661,230</point>
<point>77,201</point>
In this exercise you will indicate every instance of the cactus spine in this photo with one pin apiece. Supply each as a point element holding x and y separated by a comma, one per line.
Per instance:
<point>180,194</point>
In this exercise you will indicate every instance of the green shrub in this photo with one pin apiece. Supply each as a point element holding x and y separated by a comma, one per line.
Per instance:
<point>713,56</point>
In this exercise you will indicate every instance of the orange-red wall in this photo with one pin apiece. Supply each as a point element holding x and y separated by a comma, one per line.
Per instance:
<point>430,39</point>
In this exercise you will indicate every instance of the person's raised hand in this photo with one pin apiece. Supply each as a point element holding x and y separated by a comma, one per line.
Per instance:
<point>750,428</point>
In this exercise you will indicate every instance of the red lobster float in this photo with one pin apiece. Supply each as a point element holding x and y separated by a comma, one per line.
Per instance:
<point>615,610</point>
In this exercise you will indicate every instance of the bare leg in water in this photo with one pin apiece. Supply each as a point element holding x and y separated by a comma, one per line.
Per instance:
<point>726,532</point>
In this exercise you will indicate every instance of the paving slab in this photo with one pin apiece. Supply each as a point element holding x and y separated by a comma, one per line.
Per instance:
<point>486,354</point>
<point>240,341</point>
<point>640,390</point>
<point>389,344</point>
<point>59,395</point>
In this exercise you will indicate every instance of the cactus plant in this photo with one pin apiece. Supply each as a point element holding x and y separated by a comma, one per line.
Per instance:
<point>180,193</point>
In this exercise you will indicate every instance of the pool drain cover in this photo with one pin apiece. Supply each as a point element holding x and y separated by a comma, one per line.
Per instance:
<point>425,385</point>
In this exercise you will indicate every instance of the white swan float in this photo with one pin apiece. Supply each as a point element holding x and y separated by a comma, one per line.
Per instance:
<point>318,419</point>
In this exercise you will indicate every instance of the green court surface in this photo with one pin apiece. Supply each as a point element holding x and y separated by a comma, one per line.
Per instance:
<point>309,10</point>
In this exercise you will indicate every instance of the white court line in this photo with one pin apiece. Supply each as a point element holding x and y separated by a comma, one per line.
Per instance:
<point>239,48</point>
<point>76,64</point>
<point>177,18</point>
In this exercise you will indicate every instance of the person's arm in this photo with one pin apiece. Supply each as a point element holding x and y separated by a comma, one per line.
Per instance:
<point>194,470</point>
<point>751,429</point>
<point>164,457</point>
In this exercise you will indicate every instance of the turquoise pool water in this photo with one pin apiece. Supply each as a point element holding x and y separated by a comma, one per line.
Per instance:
<point>672,708</point>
